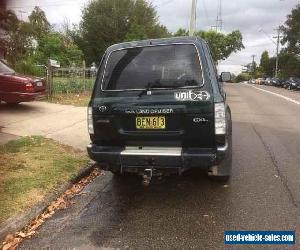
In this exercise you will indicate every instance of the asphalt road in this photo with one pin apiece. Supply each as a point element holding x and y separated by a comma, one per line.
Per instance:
<point>191,211</point>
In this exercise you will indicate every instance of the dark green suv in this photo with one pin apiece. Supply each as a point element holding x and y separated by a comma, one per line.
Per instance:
<point>158,107</point>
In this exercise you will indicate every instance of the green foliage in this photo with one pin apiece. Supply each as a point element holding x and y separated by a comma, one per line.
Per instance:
<point>291,31</point>
<point>72,85</point>
<point>55,46</point>
<point>105,22</point>
<point>289,57</point>
<point>28,67</point>
<point>39,23</point>
<point>289,64</point>
<point>221,45</point>
<point>181,32</point>
<point>16,37</point>
<point>265,64</point>
<point>242,77</point>
<point>30,43</point>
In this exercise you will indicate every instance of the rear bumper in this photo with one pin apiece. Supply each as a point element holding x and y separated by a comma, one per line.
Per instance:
<point>21,97</point>
<point>118,158</point>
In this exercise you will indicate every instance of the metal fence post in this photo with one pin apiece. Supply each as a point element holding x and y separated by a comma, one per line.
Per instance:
<point>83,65</point>
<point>50,80</point>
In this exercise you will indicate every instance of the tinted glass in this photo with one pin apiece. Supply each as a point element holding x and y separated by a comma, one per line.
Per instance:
<point>4,68</point>
<point>156,67</point>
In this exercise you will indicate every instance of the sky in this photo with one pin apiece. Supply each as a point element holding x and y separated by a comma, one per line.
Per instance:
<point>256,19</point>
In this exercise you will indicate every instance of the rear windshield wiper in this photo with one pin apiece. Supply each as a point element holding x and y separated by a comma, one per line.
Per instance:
<point>157,84</point>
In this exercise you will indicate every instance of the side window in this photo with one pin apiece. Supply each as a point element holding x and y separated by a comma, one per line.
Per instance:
<point>97,86</point>
<point>213,66</point>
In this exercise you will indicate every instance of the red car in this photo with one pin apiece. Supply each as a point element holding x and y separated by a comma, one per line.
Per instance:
<point>15,88</point>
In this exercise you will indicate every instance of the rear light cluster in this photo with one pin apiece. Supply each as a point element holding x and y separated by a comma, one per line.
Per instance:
<point>29,87</point>
<point>90,120</point>
<point>220,119</point>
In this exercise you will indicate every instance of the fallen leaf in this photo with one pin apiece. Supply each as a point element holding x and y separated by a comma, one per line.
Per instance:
<point>21,234</point>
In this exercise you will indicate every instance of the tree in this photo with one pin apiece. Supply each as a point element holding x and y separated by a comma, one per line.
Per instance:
<point>34,42</point>
<point>242,77</point>
<point>266,64</point>
<point>39,23</point>
<point>221,45</point>
<point>105,22</point>
<point>8,21</point>
<point>289,64</point>
<point>291,32</point>
<point>264,61</point>
<point>55,46</point>
<point>181,32</point>
<point>289,58</point>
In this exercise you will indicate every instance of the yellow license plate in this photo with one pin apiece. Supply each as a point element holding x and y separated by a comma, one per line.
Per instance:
<point>150,122</point>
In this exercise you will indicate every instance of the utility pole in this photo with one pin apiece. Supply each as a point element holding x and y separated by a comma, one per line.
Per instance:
<point>277,51</point>
<point>219,21</point>
<point>193,18</point>
<point>253,63</point>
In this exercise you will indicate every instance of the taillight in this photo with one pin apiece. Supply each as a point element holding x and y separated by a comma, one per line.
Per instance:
<point>90,120</point>
<point>220,119</point>
<point>29,87</point>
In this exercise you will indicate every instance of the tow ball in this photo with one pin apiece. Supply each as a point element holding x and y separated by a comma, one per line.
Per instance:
<point>147,176</point>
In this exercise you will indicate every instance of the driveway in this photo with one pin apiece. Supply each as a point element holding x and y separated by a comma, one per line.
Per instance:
<point>63,123</point>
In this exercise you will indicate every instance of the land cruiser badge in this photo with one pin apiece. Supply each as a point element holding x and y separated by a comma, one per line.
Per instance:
<point>192,95</point>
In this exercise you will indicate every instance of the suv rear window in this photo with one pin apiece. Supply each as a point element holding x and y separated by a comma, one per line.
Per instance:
<point>162,66</point>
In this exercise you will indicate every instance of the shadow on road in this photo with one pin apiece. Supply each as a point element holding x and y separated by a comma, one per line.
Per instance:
<point>18,108</point>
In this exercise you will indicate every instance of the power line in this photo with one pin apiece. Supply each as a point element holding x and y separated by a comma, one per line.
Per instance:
<point>261,30</point>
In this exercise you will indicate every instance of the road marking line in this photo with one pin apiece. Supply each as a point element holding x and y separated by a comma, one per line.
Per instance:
<point>270,92</point>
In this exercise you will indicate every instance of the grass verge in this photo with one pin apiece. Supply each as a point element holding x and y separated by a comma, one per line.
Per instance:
<point>32,167</point>
<point>81,99</point>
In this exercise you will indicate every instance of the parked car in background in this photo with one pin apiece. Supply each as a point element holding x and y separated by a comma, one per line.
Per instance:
<point>16,88</point>
<point>268,81</point>
<point>260,81</point>
<point>292,83</point>
<point>252,81</point>
<point>276,82</point>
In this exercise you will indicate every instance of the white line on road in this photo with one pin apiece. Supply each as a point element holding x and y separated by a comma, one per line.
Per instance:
<point>281,96</point>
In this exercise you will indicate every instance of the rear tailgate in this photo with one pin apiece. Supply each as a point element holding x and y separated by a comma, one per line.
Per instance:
<point>186,122</point>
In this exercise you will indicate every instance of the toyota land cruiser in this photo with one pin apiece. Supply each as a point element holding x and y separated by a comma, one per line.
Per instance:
<point>158,106</point>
